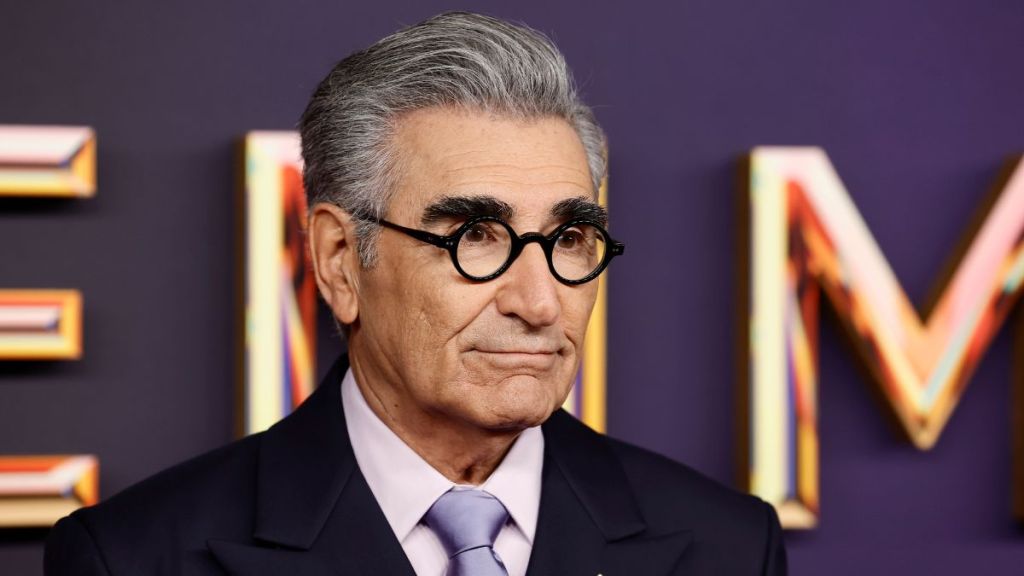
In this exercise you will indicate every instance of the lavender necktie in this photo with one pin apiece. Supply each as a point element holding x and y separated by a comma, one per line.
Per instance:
<point>467,522</point>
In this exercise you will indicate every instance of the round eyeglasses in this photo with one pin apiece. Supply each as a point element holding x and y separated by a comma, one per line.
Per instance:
<point>485,247</point>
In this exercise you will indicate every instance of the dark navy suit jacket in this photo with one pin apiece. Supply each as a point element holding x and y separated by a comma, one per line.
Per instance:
<point>292,502</point>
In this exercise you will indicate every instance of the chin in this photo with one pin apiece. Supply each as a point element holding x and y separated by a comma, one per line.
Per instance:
<point>504,423</point>
<point>522,403</point>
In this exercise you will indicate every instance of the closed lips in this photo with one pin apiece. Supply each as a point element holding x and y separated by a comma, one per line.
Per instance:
<point>485,351</point>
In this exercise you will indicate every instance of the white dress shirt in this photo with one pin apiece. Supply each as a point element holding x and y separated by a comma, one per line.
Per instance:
<point>406,486</point>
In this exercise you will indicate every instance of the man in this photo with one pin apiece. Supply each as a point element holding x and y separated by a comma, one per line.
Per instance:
<point>452,174</point>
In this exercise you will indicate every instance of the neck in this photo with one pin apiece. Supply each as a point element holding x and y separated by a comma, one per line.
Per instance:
<point>462,453</point>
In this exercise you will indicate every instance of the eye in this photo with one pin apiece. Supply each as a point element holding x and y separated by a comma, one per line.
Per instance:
<point>476,234</point>
<point>480,233</point>
<point>571,239</point>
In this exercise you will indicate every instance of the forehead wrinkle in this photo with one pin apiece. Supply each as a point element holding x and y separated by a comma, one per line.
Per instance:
<point>517,169</point>
<point>494,182</point>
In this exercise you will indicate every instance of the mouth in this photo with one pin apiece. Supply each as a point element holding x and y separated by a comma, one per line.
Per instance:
<point>542,359</point>
<point>532,351</point>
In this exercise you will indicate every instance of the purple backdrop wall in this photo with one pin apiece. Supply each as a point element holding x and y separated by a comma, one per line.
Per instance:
<point>917,104</point>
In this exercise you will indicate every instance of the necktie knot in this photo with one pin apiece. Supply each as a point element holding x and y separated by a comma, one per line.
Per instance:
<point>467,522</point>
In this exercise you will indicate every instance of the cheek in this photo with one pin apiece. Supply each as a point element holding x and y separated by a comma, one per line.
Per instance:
<point>437,314</point>
<point>577,306</point>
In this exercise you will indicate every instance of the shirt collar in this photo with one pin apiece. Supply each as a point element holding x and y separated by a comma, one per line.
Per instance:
<point>406,486</point>
<point>516,481</point>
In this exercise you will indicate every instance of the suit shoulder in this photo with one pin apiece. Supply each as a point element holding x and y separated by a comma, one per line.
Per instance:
<point>669,492</point>
<point>210,477</point>
<point>178,508</point>
<point>733,533</point>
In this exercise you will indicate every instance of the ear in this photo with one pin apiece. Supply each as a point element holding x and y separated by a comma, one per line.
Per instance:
<point>332,245</point>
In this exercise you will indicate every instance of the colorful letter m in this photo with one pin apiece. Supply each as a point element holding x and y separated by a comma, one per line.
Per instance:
<point>807,237</point>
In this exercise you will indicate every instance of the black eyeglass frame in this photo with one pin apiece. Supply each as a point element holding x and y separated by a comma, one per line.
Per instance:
<point>547,243</point>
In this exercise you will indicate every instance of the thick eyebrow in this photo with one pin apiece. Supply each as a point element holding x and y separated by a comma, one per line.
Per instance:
<point>465,207</point>
<point>580,207</point>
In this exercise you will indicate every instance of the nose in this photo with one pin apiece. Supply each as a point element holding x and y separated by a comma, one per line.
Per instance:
<point>528,289</point>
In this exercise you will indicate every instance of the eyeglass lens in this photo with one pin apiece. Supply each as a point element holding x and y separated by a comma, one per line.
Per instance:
<point>485,246</point>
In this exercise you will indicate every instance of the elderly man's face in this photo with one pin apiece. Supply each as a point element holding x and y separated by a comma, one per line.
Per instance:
<point>496,355</point>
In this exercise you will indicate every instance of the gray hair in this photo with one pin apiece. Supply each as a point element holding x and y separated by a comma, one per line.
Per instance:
<point>456,59</point>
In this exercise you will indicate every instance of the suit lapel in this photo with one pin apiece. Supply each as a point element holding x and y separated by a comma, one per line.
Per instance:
<point>315,514</point>
<point>358,534</point>
<point>590,522</point>
<point>567,542</point>
<point>655,555</point>
<point>245,560</point>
